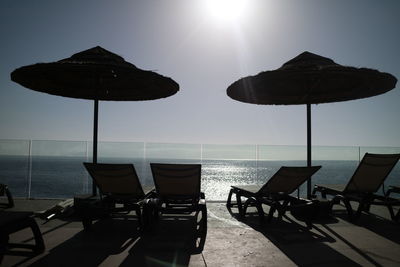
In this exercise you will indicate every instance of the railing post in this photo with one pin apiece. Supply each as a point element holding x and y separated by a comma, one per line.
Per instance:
<point>201,153</point>
<point>86,182</point>
<point>144,165</point>
<point>256,163</point>
<point>29,168</point>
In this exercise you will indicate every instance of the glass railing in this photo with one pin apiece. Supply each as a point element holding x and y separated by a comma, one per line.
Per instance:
<point>54,169</point>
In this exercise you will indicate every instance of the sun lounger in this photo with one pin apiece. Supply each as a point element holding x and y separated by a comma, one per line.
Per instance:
<point>276,193</point>
<point>120,192</point>
<point>363,185</point>
<point>178,190</point>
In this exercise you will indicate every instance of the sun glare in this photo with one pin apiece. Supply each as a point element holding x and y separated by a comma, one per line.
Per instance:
<point>226,10</point>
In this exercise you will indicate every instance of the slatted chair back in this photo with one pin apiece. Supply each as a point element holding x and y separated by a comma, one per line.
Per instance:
<point>287,179</point>
<point>177,181</point>
<point>371,172</point>
<point>116,179</point>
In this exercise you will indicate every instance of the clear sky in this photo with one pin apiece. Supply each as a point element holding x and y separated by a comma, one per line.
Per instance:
<point>204,47</point>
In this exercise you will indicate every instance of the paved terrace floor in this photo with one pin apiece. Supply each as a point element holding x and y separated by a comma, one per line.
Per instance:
<point>334,241</point>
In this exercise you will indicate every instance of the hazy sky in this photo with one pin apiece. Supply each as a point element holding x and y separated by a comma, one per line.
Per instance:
<point>204,50</point>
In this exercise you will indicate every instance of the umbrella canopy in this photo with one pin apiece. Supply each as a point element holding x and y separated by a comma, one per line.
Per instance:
<point>310,79</point>
<point>95,74</point>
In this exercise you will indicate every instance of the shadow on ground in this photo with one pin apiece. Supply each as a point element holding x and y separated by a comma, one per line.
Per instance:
<point>306,247</point>
<point>91,248</point>
<point>375,222</point>
<point>171,241</point>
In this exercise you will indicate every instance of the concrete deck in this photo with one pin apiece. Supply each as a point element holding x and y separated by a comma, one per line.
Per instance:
<point>334,241</point>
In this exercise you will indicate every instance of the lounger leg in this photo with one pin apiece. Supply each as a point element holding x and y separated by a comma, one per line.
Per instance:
<point>228,202</point>
<point>247,203</point>
<point>9,198</point>
<point>360,208</point>
<point>204,218</point>
<point>314,190</point>
<point>272,209</point>
<point>156,209</point>
<point>239,204</point>
<point>39,247</point>
<point>87,223</point>
<point>335,200</point>
<point>348,208</point>
<point>140,219</point>
<point>321,190</point>
<point>254,203</point>
<point>148,213</point>
<point>260,211</point>
<point>388,192</point>
<point>282,208</point>
<point>391,211</point>
<point>368,207</point>
<point>395,217</point>
<point>365,204</point>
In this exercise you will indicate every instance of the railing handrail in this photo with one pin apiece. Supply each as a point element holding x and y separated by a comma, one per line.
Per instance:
<point>201,152</point>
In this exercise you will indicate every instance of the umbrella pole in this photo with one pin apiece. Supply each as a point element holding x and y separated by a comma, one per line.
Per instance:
<point>309,148</point>
<point>95,127</point>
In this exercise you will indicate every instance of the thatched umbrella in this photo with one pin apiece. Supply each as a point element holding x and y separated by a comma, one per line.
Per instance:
<point>95,74</point>
<point>310,79</point>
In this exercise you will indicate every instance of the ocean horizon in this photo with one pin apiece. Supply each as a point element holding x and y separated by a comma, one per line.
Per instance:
<point>64,177</point>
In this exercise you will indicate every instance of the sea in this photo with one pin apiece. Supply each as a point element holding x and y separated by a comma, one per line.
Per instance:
<point>64,177</point>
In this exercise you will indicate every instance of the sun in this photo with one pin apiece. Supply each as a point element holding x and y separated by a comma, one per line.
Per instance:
<point>226,10</point>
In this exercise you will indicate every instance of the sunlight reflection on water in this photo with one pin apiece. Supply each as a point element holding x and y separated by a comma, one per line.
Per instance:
<point>218,178</point>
